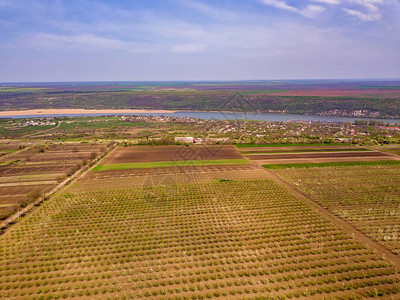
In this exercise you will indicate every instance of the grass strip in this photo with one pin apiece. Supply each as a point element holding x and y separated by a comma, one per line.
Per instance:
<point>11,162</point>
<point>165,164</point>
<point>285,145</point>
<point>332,164</point>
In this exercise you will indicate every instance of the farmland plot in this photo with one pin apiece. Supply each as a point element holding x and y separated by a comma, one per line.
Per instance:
<point>193,232</point>
<point>299,149</point>
<point>172,176</point>
<point>147,165</point>
<point>27,173</point>
<point>142,154</point>
<point>366,196</point>
<point>322,157</point>
<point>9,147</point>
<point>313,154</point>
<point>242,239</point>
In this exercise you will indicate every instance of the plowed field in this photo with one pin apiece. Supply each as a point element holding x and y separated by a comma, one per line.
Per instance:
<point>29,172</point>
<point>170,153</point>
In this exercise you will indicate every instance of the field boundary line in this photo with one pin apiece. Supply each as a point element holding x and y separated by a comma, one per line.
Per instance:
<point>346,226</point>
<point>74,177</point>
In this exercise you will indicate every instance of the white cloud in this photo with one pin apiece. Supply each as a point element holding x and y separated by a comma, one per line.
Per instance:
<point>209,11</point>
<point>366,17</point>
<point>333,2</point>
<point>280,4</point>
<point>310,11</point>
<point>370,5</point>
<point>85,42</point>
<point>372,12</point>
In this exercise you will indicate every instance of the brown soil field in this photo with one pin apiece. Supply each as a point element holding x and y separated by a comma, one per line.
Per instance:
<point>322,160</point>
<point>8,147</point>
<point>298,149</point>
<point>13,197</point>
<point>48,163</point>
<point>54,152</point>
<point>14,190</point>
<point>7,199</point>
<point>393,149</point>
<point>36,177</point>
<point>33,169</point>
<point>27,183</point>
<point>317,155</point>
<point>342,92</point>
<point>58,156</point>
<point>167,170</point>
<point>170,153</point>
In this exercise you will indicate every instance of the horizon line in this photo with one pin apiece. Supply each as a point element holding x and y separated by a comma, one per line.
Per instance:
<point>202,81</point>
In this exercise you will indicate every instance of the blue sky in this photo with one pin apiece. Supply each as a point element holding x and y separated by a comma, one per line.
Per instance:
<point>82,40</point>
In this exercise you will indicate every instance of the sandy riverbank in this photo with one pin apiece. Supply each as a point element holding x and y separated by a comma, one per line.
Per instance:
<point>39,112</point>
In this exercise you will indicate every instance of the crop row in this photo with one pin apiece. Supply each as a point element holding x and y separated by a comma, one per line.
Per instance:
<point>232,239</point>
<point>173,177</point>
<point>368,197</point>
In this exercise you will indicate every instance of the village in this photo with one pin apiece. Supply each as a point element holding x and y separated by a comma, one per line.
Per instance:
<point>31,122</point>
<point>144,129</point>
<point>245,131</point>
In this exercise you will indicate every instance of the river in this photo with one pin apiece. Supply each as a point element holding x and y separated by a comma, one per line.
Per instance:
<point>226,116</point>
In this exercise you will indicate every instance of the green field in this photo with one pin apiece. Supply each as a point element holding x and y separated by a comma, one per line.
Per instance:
<point>332,164</point>
<point>165,164</point>
<point>20,90</point>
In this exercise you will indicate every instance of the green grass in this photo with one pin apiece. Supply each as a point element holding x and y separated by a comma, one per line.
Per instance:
<point>14,133</point>
<point>8,151</point>
<point>332,164</point>
<point>165,164</point>
<point>11,162</point>
<point>20,90</point>
<point>284,145</point>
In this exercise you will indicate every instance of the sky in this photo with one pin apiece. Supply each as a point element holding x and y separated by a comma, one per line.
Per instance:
<point>154,40</point>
